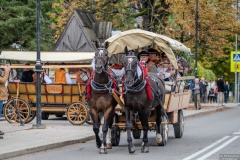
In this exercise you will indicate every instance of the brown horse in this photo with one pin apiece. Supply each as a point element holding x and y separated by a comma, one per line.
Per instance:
<point>141,95</point>
<point>101,99</point>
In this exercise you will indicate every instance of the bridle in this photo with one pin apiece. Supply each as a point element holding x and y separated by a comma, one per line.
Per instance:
<point>130,69</point>
<point>100,57</point>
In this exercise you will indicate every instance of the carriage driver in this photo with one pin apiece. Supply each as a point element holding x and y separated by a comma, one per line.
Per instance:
<point>144,56</point>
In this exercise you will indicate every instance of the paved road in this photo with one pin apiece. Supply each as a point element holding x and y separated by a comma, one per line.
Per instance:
<point>205,137</point>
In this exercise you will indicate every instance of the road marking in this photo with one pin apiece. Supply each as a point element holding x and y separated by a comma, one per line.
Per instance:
<point>218,148</point>
<point>236,133</point>
<point>207,148</point>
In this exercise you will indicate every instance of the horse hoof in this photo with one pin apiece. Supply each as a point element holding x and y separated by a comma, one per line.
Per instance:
<point>158,138</point>
<point>109,145</point>
<point>145,149</point>
<point>131,149</point>
<point>103,151</point>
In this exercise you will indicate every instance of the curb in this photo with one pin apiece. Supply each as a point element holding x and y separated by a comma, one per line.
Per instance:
<point>45,147</point>
<point>207,112</point>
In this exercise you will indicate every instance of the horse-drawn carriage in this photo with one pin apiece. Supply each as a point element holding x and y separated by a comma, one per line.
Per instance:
<point>58,99</point>
<point>176,99</point>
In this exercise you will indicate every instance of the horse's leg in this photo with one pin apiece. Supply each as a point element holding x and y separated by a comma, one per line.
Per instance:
<point>158,123</point>
<point>109,133</point>
<point>96,125</point>
<point>144,116</point>
<point>108,117</point>
<point>131,148</point>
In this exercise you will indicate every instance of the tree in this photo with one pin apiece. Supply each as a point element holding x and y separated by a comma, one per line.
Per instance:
<point>18,24</point>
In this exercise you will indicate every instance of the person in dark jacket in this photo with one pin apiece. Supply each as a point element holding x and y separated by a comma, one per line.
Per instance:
<point>221,90</point>
<point>227,89</point>
<point>197,92</point>
<point>27,74</point>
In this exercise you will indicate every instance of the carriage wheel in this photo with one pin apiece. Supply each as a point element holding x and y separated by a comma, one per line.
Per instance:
<point>115,132</point>
<point>164,132</point>
<point>136,134</point>
<point>77,113</point>
<point>31,117</point>
<point>179,126</point>
<point>10,112</point>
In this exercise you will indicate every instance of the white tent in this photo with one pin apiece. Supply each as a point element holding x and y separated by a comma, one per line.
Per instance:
<point>140,38</point>
<point>48,56</point>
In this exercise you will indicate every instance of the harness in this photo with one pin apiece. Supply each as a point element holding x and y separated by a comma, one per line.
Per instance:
<point>145,83</point>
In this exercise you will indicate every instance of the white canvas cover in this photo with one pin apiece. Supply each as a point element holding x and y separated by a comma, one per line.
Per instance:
<point>140,38</point>
<point>47,56</point>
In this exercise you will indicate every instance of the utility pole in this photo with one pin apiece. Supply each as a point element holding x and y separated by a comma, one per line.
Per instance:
<point>196,40</point>
<point>38,70</point>
<point>236,91</point>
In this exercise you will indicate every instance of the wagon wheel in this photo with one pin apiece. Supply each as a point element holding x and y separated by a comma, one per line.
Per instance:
<point>10,112</point>
<point>77,113</point>
<point>31,116</point>
<point>164,132</point>
<point>179,126</point>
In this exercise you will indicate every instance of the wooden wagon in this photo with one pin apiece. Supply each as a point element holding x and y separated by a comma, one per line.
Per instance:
<point>58,99</point>
<point>175,100</point>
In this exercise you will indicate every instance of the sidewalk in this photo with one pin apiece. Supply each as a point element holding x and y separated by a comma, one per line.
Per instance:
<point>19,140</point>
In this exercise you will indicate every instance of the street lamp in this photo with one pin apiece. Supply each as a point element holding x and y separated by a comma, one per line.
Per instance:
<point>38,70</point>
<point>196,40</point>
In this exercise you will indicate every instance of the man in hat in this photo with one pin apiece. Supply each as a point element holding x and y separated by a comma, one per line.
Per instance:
<point>152,54</point>
<point>27,74</point>
<point>221,90</point>
<point>144,56</point>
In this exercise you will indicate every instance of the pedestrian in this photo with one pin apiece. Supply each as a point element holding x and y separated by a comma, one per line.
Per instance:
<point>211,95</point>
<point>3,90</point>
<point>221,90</point>
<point>190,87</point>
<point>204,94</point>
<point>215,94</point>
<point>197,91</point>
<point>227,90</point>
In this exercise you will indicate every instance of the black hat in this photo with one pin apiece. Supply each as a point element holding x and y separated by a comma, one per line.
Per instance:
<point>152,51</point>
<point>164,55</point>
<point>143,53</point>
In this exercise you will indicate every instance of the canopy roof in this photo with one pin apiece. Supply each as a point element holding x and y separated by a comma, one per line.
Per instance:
<point>48,56</point>
<point>140,38</point>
